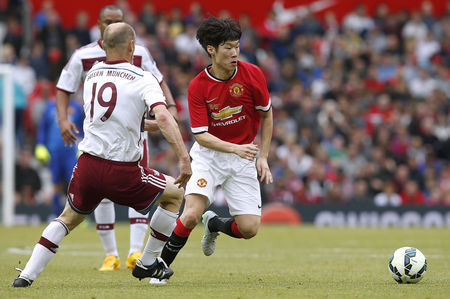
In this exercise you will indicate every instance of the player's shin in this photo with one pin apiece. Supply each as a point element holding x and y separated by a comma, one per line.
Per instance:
<point>138,229</point>
<point>176,242</point>
<point>226,225</point>
<point>161,225</point>
<point>105,218</point>
<point>45,249</point>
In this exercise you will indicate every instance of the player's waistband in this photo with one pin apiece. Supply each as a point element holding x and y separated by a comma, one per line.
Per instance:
<point>111,161</point>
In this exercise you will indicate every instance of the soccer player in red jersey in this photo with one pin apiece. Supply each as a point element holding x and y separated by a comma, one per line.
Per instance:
<point>228,103</point>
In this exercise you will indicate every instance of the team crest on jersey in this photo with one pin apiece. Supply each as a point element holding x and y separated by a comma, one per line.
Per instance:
<point>202,183</point>
<point>226,112</point>
<point>236,89</point>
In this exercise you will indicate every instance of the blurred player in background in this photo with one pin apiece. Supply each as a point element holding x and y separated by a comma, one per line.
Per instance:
<point>50,148</point>
<point>81,61</point>
<point>227,103</point>
<point>117,95</point>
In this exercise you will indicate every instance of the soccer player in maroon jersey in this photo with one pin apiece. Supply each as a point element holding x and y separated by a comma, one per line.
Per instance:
<point>228,103</point>
<point>117,95</point>
<point>74,72</point>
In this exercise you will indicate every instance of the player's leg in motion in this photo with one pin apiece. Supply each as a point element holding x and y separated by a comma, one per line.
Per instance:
<point>105,217</point>
<point>240,226</point>
<point>194,206</point>
<point>138,229</point>
<point>244,201</point>
<point>48,245</point>
<point>161,226</point>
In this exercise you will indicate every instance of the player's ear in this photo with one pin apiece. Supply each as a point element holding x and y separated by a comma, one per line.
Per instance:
<point>211,50</point>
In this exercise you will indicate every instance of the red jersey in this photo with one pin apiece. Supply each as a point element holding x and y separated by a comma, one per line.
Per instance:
<point>228,109</point>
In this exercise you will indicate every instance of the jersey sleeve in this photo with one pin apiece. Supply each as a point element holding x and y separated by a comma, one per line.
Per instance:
<point>198,112</point>
<point>70,77</point>
<point>152,92</point>
<point>262,97</point>
<point>149,65</point>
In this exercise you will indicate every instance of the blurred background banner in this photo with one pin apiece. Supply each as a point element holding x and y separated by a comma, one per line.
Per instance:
<point>258,12</point>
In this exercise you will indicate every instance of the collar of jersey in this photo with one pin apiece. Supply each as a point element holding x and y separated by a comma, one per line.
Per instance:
<point>99,42</point>
<point>115,61</point>
<point>217,79</point>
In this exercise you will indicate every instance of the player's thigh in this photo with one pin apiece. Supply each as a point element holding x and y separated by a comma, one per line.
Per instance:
<point>172,192</point>
<point>243,195</point>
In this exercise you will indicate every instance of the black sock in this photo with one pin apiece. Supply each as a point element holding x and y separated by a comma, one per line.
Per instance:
<point>172,247</point>
<point>224,225</point>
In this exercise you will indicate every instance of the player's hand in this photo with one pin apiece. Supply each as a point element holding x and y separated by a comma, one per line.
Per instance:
<point>67,129</point>
<point>247,151</point>
<point>263,170</point>
<point>185,173</point>
<point>174,111</point>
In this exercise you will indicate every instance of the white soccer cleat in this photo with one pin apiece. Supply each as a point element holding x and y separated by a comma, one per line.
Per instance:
<point>157,281</point>
<point>210,238</point>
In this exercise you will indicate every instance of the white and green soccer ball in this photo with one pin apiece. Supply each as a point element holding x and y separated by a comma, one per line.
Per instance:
<point>407,265</point>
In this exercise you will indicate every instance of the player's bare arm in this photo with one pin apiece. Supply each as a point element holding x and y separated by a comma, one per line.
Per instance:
<point>151,125</point>
<point>246,151</point>
<point>171,132</point>
<point>66,127</point>
<point>266,136</point>
<point>171,106</point>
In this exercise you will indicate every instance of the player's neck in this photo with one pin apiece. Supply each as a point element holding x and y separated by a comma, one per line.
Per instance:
<point>220,73</point>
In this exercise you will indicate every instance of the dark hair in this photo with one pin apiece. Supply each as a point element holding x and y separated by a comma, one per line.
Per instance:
<point>214,32</point>
<point>108,7</point>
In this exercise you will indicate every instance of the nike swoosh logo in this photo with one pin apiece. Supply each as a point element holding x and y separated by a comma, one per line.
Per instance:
<point>209,101</point>
<point>259,207</point>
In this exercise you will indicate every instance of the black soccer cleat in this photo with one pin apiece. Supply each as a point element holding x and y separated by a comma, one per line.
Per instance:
<point>21,282</point>
<point>159,270</point>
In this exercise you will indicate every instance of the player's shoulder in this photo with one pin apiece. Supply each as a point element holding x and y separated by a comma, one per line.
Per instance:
<point>88,50</point>
<point>141,50</point>
<point>249,67</point>
<point>200,79</point>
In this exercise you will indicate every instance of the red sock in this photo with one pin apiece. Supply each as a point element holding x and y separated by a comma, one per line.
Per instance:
<point>235,230</point>
<point>181,230</point>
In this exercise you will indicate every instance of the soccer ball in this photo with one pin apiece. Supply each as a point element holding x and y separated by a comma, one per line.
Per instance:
<point>407,265</point>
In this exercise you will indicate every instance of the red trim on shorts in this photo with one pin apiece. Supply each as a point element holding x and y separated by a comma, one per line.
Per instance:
<point>235,230</point>
<point>181,230</point>
<point>138,220</point>
<point>111,161</point>
<point>107,226</point>
<point>48,244</point>
<point>157,235</point>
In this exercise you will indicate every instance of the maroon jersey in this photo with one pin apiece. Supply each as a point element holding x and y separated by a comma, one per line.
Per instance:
<point>228,109</point>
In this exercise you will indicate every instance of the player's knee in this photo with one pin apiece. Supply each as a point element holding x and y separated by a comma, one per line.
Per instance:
<point>191,218</point>
<point>248,231</point>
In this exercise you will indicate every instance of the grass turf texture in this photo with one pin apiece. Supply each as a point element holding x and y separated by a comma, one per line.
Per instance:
<point>280,262</point>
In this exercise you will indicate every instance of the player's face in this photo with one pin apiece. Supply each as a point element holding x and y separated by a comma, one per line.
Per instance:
<point>109,16</point>
<point>226,56</point>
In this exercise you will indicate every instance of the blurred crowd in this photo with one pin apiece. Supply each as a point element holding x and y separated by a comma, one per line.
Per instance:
<point>361,105</point>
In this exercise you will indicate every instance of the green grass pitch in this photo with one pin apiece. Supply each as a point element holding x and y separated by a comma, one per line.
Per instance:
<point>280,262</point>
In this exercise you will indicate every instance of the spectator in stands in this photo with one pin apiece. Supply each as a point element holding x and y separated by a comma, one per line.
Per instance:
<point>27,179</point>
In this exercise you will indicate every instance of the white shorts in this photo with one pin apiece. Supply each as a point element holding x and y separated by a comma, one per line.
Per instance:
<point>237,176</point>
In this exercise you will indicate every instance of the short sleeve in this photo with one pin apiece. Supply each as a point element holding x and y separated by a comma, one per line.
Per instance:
<point>262,97</point>
<point>152,92</point>
<point>70,77</point>
<point>197,109</point>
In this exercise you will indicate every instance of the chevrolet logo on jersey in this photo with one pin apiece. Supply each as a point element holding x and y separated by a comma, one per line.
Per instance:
<point>226,112</point>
